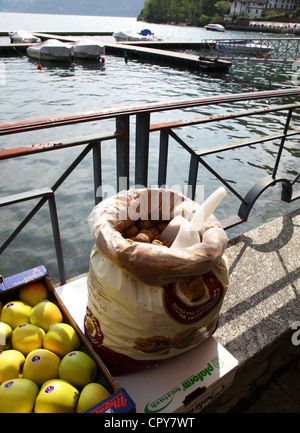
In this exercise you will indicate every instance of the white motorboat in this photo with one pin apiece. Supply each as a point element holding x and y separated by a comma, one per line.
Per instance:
<point>51,49</point>
<point>215,27</point>
<point>21,36</point>
<point>87,49</point>
<point>244,47</point>
<point>144,35</point>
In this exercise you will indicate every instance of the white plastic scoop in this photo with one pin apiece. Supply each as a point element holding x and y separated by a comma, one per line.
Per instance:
<point>182,233</point>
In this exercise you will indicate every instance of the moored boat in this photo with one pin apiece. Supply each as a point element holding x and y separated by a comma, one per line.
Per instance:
<point>87,49</point>
<point>244,47</point>
<point>144,35</point>
<point>21,37</point>
<point>215,27</point>
<point>51,49</point>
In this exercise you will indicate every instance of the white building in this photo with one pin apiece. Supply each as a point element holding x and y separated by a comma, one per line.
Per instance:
<point>251,9</point>
<point>254,8</point>
<point>280,5</point>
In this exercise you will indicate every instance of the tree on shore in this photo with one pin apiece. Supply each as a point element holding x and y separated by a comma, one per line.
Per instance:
<point>184,11</point>
<point>193,12</point>
<point>176,11</point>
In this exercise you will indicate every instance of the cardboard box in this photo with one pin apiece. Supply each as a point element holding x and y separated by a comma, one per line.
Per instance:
<point>186,383</point>
<point>119,401</point>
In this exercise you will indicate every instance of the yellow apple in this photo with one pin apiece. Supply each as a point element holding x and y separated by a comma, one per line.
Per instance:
<point>11,362</point>
<point>92,394</point>
<point>56,396</point>
<point>41,365</point>
<point>5,336</point>
<point>18,396</point>
<point>15,313</point>
<point>44,314</point>
<point>61,339</point>
<point>78,368</point>
<point>27,337</point>
<point>33,293</point>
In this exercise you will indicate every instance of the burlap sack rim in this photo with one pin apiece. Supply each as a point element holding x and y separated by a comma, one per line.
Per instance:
<point>153,264</point>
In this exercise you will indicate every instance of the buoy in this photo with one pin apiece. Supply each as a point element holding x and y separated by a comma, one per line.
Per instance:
<point>69,60</point>
<point>102,59</point>
<point>39,67</point>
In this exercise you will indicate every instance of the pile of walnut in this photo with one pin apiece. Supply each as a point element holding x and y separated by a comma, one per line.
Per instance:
<point>146,231</point>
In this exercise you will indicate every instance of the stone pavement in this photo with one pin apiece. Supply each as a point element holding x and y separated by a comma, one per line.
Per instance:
<point>260,309</point>
<point>281,394</point>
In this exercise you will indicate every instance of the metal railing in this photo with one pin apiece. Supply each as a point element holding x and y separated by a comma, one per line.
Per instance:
<point>275,49</point>
<point>143,129</point>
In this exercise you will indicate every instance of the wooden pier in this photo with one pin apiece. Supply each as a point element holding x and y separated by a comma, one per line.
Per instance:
<point>165,57</point>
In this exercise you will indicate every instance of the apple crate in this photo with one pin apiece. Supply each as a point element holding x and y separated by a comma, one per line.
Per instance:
<point>119,400</point>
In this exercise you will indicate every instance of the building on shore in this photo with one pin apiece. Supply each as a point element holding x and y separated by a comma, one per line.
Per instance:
<point>256,8</point>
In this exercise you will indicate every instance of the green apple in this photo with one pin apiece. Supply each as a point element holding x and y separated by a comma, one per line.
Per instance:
<point>41,365</point>
<point>18,396</point>
<point>5,336</point>
<point>15,313</point>
<point>56,396</point>
<point>27,337</point>
<point>61,339</point>
<point>92,394</point>
<point>78,368</point>
<point>33,293</point>
<point>11,362</point>
<point>44,314</point>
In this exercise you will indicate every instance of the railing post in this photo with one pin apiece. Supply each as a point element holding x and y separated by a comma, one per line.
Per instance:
<point>193,172</point>
<point>163,157</point>
<point>97,170</point>
<point>57,239</point>
<point>122,150</point>
<point>142,148</point>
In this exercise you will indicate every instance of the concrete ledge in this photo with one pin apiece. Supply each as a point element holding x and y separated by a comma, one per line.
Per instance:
<point>262,303</point>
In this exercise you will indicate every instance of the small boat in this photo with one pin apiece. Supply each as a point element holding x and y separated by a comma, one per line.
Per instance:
<point>215,27</point>
<point>87,49</point>
<point>245,47</point>
<point>51,49</point>
<point>21,37</point>
<point>144,35</point>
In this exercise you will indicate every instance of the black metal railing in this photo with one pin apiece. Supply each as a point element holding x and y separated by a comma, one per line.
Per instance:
<point>279,49</point>
<point>143,128</point>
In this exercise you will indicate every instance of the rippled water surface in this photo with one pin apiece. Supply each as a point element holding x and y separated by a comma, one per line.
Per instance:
<point>27,92</point>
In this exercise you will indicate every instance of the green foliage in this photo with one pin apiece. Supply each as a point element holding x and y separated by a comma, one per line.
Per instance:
<point>195,12</point>
<point>204,19</point>
<point>223,7</point>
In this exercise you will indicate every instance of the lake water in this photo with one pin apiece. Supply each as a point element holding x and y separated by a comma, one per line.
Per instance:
<point>26,92</point>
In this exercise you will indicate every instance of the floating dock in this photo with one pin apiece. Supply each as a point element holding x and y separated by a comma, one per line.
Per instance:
<point>166,57</point>
<point>144,51</point>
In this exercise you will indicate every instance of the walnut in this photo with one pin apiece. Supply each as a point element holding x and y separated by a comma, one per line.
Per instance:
<point>144,224</point>
<point>131,231</point>
<point>148,233</point>
<point>157,242</point>
<point>155,232</point>
<point>142,237</point>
